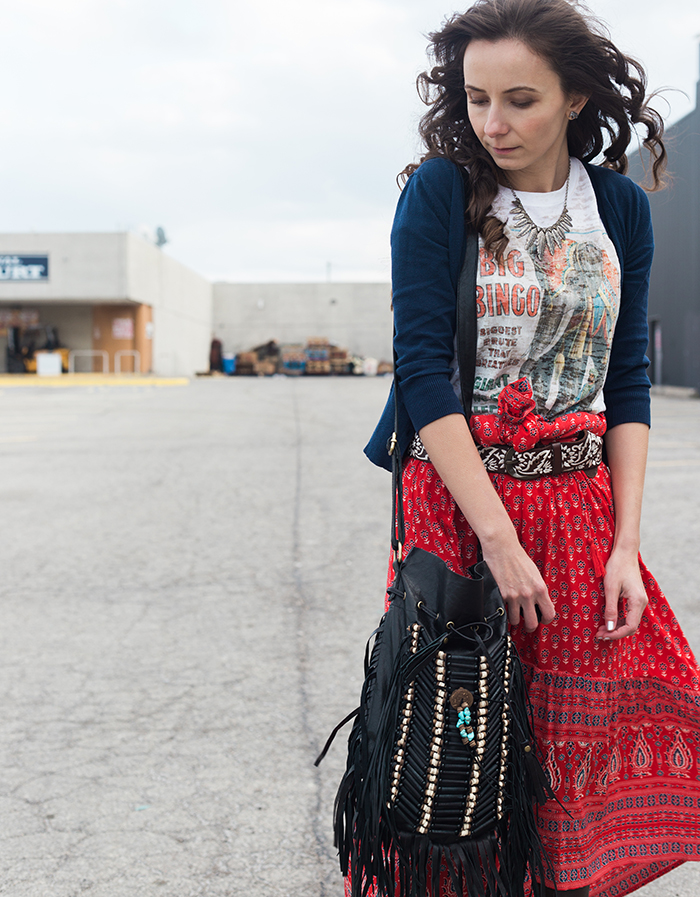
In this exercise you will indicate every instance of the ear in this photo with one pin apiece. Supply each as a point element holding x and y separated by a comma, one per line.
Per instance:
<point>576,103</point>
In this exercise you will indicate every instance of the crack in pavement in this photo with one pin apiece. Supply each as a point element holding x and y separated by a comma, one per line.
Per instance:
<point>302,640</point>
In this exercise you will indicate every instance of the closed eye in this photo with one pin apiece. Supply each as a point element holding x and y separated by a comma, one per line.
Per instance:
<point>476,100</point>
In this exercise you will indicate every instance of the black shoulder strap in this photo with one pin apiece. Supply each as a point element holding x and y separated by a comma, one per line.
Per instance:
<point>466,329</point>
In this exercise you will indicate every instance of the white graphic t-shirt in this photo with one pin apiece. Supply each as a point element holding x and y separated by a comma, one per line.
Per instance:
<point>551,319</point>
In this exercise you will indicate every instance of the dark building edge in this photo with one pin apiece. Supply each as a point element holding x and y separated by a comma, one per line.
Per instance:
<point>674,295</point>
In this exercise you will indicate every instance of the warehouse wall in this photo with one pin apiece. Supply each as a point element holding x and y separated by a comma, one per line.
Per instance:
<point>355,316</point>
<point>182,307</point>
<point>82,267</point>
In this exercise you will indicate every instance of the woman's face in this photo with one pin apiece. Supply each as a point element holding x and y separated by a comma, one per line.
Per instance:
<point>519,112</point>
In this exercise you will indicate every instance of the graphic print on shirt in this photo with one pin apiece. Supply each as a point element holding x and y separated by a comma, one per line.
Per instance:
<point>552,319</point>
<point>571,346</point>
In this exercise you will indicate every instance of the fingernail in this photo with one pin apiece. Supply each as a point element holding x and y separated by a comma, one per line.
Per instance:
<point>610,625</point>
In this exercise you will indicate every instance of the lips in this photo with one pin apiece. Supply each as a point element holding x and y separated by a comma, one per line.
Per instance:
<point>503,150</point>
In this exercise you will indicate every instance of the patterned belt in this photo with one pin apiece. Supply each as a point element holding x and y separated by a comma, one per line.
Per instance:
<point>584,453</point>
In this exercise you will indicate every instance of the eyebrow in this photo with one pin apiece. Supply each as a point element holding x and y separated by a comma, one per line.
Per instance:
<point>510,89</point>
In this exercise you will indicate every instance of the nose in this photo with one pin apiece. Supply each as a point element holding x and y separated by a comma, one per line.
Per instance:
<point>496,125</point>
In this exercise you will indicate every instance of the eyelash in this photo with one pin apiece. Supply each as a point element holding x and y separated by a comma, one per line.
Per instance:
<point>523,105</point>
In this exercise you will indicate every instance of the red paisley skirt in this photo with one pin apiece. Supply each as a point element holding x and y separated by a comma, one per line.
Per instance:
<point>618,723</point>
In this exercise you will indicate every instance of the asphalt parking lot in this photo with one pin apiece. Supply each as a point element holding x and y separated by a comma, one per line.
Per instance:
<point>189,575</point>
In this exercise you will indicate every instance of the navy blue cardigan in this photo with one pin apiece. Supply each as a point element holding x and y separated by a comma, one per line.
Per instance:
<point>427,249</point>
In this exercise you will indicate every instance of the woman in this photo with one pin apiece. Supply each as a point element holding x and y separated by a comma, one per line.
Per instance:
<point>525,93</point>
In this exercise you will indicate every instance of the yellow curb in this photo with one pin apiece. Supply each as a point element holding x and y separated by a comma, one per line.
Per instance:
<point>68,380</point>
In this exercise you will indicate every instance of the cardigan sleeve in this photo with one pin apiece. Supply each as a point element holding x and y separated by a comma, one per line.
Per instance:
<point>427,241</point>
<point>627,385</point>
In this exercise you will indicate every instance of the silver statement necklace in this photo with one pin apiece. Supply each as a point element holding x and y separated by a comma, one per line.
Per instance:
<point>541,238</point>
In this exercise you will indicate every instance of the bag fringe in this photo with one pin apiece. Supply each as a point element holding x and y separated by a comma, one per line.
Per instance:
<point>377,854</point>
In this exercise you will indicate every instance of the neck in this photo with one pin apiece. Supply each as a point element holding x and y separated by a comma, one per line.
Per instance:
<point>544,181</point>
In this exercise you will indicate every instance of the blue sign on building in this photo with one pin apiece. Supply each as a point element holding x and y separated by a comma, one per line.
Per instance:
<point>24,267</point>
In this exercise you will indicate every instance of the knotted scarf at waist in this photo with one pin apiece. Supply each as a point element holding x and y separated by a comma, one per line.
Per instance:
<point>517,424</point>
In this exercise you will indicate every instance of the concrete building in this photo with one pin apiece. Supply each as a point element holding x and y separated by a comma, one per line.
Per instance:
<point>354,316</point>
<point>116,302</point>
<point>674,295</point>
<point>109,294</point>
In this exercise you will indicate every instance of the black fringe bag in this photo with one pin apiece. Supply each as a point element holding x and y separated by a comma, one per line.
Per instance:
<point>442,771</point>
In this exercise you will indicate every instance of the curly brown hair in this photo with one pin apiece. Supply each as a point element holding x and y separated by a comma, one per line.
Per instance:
<point>579,50</point>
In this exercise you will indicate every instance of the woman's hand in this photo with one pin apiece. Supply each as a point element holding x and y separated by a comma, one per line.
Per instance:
<point>456,459</point>
<point>625,596</point>
<point>519,581</point>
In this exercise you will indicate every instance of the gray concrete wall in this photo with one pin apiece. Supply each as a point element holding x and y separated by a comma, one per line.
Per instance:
<point>182,307</point>
<point>355,316</point>
<point>81,267</point>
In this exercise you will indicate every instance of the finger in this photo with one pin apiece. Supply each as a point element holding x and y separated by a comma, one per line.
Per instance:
<point>612,588</point>
<point>529,615</point>
<point>513,611</point>
<point>605,633</point>
<point>547,610</point>
<point>635,610</point>
<point>620,633</point>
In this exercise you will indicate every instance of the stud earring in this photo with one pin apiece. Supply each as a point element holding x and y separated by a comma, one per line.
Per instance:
<point>573,115</point>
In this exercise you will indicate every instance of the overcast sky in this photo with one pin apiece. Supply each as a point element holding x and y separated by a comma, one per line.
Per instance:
<point>265,138</point>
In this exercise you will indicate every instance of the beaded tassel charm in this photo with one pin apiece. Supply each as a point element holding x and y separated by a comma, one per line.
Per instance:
<point>462,700</point>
